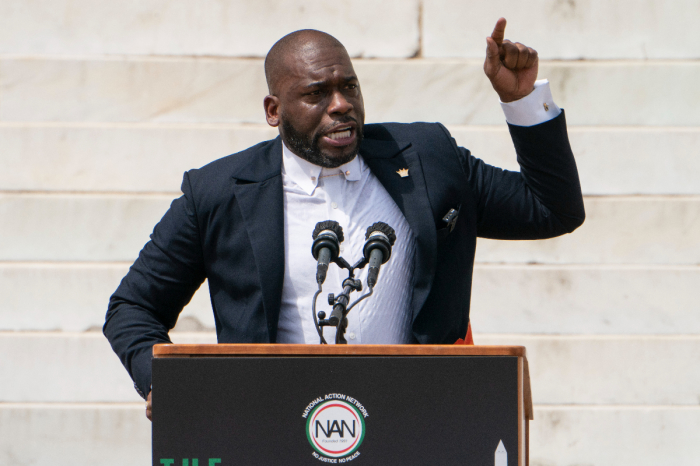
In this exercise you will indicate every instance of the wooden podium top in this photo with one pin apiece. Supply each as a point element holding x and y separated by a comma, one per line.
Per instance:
<point>226,349</point>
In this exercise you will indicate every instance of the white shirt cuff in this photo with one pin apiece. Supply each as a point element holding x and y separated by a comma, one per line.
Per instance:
<point>533,109</point>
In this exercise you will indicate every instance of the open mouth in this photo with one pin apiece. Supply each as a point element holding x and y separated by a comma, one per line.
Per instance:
<point>341,137</point>
<point>340,134</point>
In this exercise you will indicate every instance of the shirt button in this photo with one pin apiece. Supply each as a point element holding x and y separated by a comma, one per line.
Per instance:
<point>313,178</point>
<point>347,173</point>
<point>351,335</point>
<point>334,205</point>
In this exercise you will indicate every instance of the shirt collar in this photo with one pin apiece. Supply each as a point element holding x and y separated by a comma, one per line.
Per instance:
<point>306,175</point>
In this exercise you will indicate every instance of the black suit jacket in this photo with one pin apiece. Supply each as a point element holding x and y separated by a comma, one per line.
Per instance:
<point>228,228</point>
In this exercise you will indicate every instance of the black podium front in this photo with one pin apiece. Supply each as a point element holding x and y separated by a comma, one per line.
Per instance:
<point>310,404</point>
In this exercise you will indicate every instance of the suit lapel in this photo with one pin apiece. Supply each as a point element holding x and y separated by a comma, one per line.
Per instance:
<point>385,158</point>
<point>258,189</point>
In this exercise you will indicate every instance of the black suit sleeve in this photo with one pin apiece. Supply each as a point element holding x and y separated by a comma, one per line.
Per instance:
<point>543,200</point>
<point>167,273</point>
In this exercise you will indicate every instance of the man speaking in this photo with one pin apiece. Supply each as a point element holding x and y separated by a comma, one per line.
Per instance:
<point>244,222</point>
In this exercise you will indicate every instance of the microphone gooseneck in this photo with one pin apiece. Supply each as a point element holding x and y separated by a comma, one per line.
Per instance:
<point>380,237</point>
<point>327,237</point>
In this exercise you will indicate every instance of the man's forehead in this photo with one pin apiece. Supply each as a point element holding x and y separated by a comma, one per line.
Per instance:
<point>313,57</point>
<point>320,65</point>
<point>308,56</point>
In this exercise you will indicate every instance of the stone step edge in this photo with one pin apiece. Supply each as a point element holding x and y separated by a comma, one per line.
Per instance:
<point>262,126</point>
<point>258,60</point>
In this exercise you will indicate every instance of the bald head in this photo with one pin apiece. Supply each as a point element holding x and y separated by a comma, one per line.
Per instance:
<point>292,46</point>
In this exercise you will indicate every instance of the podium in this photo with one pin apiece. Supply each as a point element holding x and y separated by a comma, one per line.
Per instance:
<point>236,404</point>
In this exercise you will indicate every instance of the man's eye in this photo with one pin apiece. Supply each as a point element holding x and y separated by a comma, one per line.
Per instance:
<point>314,93</point>
<point>352,86</point>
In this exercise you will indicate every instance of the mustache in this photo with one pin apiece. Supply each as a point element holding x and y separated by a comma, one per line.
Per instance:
<point>339,122</point>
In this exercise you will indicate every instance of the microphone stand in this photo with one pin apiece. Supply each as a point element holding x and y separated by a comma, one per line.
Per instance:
<point>379,238</point>
<point>338,317</point>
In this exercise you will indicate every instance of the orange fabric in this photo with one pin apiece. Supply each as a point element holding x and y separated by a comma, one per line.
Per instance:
<point>467,340</point>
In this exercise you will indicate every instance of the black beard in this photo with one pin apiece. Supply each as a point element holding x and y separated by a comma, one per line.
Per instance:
<point>308,149</point>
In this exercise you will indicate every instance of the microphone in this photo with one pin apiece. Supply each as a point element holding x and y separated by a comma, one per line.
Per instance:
<point>377,250</point>
<point>326,246</point>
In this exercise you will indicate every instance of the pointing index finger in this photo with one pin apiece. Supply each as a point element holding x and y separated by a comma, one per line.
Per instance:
<point>499,31</point>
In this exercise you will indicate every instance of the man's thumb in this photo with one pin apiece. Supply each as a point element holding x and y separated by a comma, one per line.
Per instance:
<point>493,59</point>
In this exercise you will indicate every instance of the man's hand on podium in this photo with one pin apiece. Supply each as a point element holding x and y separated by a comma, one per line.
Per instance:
<point>149,406</point>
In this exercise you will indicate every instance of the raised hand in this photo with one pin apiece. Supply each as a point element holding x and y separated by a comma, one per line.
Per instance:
<point>511,67</point>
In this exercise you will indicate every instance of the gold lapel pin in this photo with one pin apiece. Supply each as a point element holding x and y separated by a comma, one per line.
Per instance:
<point>403,173</point>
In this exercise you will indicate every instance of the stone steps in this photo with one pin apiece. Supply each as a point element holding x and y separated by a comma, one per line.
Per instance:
<point>584,29</point>
<point>208,27</point>
<point>553,299</point>
<point>75,433</point>
<point>147,157</point>
<point>104,105</point>
<point>69,367</point>
<point>454,92</point>
<point>566,30</point>
<point>114,227</point>
<point>614,435</point>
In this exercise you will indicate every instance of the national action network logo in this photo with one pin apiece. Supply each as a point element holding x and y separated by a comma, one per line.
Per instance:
<point>335,427</point>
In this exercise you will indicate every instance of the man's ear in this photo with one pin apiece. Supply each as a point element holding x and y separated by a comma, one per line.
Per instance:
<point>272,110</point>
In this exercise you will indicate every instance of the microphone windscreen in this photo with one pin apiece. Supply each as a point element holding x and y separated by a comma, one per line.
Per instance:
<point>384,228</point>
<point>331,225</point>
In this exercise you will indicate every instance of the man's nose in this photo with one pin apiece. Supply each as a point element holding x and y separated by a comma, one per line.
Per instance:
<point>339,103</point>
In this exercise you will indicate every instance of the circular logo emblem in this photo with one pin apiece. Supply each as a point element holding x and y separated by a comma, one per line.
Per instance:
<point>335,428</point>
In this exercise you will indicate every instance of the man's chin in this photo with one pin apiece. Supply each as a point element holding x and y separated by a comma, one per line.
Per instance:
<point>336,158</point>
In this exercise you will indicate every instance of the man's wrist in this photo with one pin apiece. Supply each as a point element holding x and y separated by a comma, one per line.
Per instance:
<point>508,98</point>
<point>533,109</point>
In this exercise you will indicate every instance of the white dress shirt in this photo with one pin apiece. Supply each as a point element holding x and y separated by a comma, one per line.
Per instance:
<point>354,197</point>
